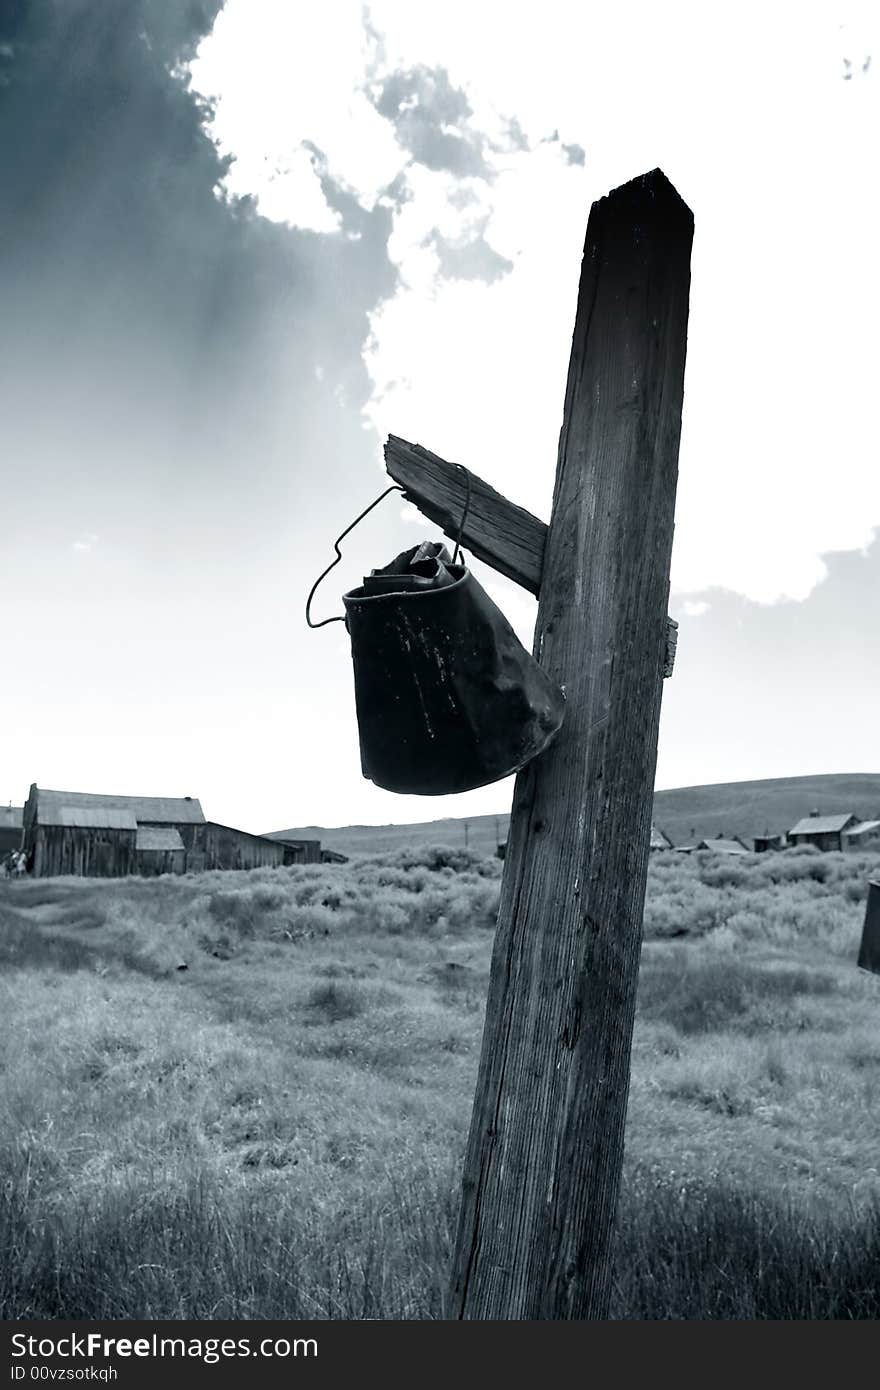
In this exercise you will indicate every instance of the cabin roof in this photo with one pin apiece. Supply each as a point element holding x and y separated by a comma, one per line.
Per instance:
<point>724,846</point>
<point>822,825</point>
<point>864,827</point>
<point>171,809</point>
<point>90,817</point>
<point>158,837</point>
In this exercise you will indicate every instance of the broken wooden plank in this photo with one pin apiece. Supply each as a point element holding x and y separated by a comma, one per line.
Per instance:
<point>503,535</point>
<point>498,532</point>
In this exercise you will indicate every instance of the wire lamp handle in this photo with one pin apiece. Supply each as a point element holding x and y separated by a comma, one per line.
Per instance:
<point>333,563</point>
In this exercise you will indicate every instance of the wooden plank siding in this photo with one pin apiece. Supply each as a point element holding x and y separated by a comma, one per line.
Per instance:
<point>307,852</point>
<point>97,836</point>
<point>225,848</point>
<point>84,851</point>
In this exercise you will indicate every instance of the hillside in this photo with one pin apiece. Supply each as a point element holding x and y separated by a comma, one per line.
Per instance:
<point>685,813</point>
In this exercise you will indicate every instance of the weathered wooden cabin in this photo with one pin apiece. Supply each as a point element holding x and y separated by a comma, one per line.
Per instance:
<point>721,845</point>
<point>97,835</point>
<point>825,832</point>
<point>659,839</point>
<point>103,836</point>
<point>10,828</point>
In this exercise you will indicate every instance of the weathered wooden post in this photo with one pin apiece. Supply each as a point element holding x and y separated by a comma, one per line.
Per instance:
<point>544,1157</point>
<point>869,950</point>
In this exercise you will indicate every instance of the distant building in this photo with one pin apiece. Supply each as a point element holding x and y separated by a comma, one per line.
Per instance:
<point>766,842</point>
<point>825,832</point>
<point>10,828</point>
<point>659,839</point>
<point>720,845</point>
<point>865,834</point>
<point>332,856</point>
<point>100,836</point>
<point>300,851</point>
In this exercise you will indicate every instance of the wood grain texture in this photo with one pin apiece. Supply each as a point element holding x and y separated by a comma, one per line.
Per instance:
<point>546,1143</point>
<point>507,537</point>
<point>498,532</point>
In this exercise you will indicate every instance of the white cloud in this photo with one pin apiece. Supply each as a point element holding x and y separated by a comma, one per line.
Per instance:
<point>746,110</point>
<point>85,544</point>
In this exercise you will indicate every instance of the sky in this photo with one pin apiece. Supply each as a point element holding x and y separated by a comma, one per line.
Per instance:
<point>242,243</point>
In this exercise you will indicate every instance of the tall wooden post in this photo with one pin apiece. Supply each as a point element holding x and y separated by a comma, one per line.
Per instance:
<point>542,1170</point>
<point>544,1157</point>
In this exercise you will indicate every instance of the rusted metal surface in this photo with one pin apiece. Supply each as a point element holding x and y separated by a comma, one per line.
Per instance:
<point>447,696</point>
<point>869,953</point>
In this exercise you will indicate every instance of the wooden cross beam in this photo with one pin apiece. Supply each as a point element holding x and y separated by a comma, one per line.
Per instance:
<point>545,1151</point>
<point>505,536</point>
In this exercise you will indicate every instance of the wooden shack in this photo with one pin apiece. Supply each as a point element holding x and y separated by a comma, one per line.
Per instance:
<point>90,841</point>
<point>722,845</point>
<point>109,836</point>
<point>96,835</point>
<point>824,832</point>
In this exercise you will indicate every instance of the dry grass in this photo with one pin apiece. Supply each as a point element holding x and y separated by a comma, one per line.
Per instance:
<point>247,1095</point>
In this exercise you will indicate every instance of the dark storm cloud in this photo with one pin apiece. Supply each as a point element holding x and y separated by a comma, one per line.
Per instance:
<point>431,118</point>
<point>133,290</point>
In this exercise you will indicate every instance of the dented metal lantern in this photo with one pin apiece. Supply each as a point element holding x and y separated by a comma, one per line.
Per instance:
<point>447,697</point>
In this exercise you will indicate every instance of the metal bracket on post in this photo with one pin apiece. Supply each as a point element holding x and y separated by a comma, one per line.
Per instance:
<point>671,644</point>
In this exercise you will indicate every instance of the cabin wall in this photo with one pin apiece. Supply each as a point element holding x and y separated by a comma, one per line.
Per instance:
<point>213,846</point>
<point>869,842</point>
<point>10,838</point>
<point>86,852</point>
<point>151,862</point>
<point>825,841</point>
<point>302,851</point>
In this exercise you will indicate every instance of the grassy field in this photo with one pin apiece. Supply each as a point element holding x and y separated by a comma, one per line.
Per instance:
<point>247,1095</point>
